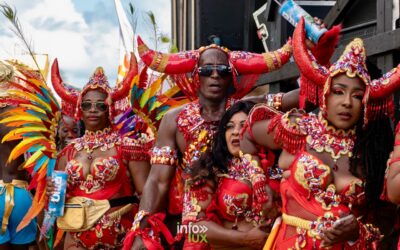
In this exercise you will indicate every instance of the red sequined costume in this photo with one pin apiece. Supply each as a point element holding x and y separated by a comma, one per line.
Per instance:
<point>197,132</point>
<point>310,199</point>
<point>234,197</point>
<point>198,135</point>
<point>108,177</point>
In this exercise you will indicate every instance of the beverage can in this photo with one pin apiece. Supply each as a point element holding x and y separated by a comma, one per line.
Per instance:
<point>57,199</point>
<point>292,12</point>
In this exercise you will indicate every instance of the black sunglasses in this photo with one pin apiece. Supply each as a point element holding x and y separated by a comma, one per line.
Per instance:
<point>100,106</point>
<point>207,70</point>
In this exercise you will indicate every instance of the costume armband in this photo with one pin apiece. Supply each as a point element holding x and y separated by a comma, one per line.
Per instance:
<point>163,156</point>
<point>288,132</point>
<point>274,101</point>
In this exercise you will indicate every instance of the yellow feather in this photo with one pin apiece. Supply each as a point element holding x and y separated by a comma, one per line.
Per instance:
<point>10,136</point>
<point>34,157</point>
<point>19,123</point>
<point>25,118</point>
<point>172,91</point>
<point>23,146</point>
<point>154,87</point>
<point>13,112</point>
<point>30,96</point>
<point>33,107</point>
<point>18,131</point>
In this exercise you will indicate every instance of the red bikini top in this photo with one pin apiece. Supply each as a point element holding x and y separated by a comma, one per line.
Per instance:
<point>233,199</point>
<point>310,177</point>
<point>106,177</point>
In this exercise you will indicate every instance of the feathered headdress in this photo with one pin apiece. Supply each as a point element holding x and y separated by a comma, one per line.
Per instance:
<point>34,123</point>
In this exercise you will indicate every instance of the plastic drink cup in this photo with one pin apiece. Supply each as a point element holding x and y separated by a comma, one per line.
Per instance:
<point>292,12</point>
<point>57,199</point>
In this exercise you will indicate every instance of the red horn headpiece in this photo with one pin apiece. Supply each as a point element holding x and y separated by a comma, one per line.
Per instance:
<point>97,81</point>
<point>305,61</point>
<point>68,95</point>
<point>352,62</point>
<point>123,90</point>
<point>58,85</point>
<point>242,62</point>
<point>176,63</point>
<point>254,63</point>
<point>386,85</point>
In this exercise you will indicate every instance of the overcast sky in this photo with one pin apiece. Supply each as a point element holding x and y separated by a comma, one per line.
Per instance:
<point>82,34</point>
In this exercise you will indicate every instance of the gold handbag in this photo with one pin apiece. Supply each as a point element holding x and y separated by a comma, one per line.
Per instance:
<point>81,213</point>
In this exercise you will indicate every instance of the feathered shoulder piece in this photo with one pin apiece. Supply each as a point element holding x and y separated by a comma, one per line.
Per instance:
<point>34,121</point>
<point>149,103</point>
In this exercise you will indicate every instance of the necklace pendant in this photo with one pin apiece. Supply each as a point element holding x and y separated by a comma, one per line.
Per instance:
<point>335,167</point>
<point>90,157</point>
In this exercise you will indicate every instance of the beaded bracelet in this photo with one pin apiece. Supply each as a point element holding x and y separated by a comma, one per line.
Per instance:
<point>274,100</point>
<point>138,218</point>
<point>163,155</point>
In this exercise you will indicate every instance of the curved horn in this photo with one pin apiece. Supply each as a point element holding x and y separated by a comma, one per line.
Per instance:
<point>325,47</point>
<point>58,85</point>
<point>253,63</point>
<point>386,85</point>
<point>123,90</point>
<point>307,66</point>
<point>176,63</point>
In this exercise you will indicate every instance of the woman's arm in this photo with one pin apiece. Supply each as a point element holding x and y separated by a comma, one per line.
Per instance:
<point>256,133</point>
<point>279,101</point>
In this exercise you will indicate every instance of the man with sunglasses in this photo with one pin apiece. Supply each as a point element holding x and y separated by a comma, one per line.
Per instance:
<point>188,131</point>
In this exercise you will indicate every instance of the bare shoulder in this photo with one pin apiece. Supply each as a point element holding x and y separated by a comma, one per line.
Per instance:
<point>168,121</point>
<point>168,128</point>
<point>173,113</point>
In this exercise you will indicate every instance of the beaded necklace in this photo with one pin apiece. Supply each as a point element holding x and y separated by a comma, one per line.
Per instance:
<point>91,140</point>
<point>324,138</point>
<point>198,132</point>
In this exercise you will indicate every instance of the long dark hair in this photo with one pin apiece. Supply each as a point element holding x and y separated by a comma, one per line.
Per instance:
<point>217,159</point>
<point>371,151</point>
